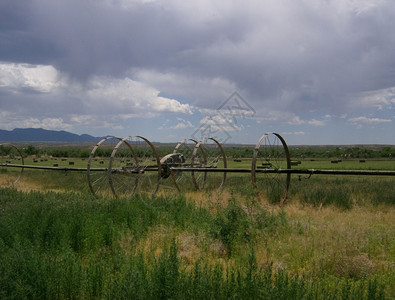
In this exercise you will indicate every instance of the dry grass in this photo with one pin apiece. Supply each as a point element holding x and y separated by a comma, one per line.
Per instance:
<point>348,243</point>
<point>353,243</point>
<point>21,185</point>
<point>212,200</point>
<point>191,247</point>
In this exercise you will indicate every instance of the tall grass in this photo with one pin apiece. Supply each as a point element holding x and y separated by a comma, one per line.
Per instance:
<point>343,191</point>
<point>69,245</point>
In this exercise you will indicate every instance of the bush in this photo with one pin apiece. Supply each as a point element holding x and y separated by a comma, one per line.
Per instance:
<point>234,226</point>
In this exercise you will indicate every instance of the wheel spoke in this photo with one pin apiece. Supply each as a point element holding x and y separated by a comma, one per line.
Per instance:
<point>98,180</point>
<point>271,153</point>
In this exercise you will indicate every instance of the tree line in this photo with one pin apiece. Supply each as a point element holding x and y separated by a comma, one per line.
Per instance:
<point>231,152</point>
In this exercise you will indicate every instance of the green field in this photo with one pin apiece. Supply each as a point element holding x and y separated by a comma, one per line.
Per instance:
<point>334,237</point>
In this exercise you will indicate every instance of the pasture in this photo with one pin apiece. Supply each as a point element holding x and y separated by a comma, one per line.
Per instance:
<point>334,237</point>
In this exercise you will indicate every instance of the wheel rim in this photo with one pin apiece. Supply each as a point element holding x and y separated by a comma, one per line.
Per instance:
<point>271,153</point>
<point>98,166</point>
<point>182,180</point>
<point>209,153</point>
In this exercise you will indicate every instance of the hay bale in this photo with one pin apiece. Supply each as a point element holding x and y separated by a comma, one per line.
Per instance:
<point>295,162</point>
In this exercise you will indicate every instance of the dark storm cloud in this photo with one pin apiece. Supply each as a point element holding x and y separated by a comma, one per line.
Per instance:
<point>14,15</point>
<point>314,58</point>
<point>20,41</point>
<point>319,48</point>
<point>282,56</point>
<point>88,37</point>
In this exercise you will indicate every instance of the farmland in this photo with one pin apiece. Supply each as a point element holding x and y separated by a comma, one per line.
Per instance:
<point>333,238</point>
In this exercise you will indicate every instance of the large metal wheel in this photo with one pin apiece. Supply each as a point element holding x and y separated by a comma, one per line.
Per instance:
<point>271,155</point>
<point>182,180</point>
<point>123,169</point>
<point>208,154</point>
<point>11,155</point>
<point>134,167</point>
<point>98,166</point>
<point>149,162</point>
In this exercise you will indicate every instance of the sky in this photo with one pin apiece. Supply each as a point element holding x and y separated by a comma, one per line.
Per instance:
<point>314,71</point>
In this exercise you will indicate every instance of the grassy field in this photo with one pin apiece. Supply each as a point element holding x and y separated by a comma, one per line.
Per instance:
<point>333,239</point>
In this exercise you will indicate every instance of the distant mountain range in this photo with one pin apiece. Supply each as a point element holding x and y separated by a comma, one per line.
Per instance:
<point>43,135</point>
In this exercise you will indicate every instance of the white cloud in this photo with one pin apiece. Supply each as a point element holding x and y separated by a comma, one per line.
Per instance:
<point>39,78</point>
<point>129,96</point>
<point>368,120</point>
<point>46,123</point>
<point>219,122</point>
<point>182,124</point>
<point>274,117</point>
<point>297,121</point>
<point>162,104</point>
<point>380,99</point>
<point>102,102</point>
<point>293,133</point>
<point>315,122</point>
<point>51,123</point>
<point>204,92</point>
<point>96,121</point>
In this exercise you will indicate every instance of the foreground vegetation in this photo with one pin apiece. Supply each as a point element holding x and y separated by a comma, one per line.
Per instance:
<point>69,245</point>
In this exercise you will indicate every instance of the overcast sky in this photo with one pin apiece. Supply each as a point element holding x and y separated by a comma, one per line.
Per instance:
<point>315,71</point>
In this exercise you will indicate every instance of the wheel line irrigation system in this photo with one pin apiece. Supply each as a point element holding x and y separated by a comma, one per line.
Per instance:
<point>134,159</point>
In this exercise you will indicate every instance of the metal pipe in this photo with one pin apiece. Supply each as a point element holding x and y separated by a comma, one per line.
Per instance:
<point>50,168</point>
<point>219,170</point>
<point>215,170</point>
<point>290,171</point>
<point>342,172</point>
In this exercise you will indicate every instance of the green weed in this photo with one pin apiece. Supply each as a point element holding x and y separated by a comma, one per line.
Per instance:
<point>70,245</point>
